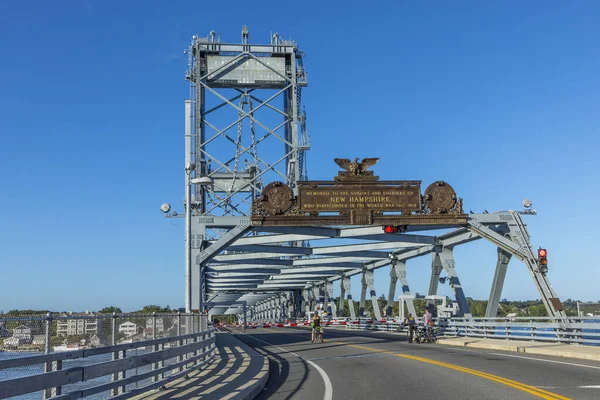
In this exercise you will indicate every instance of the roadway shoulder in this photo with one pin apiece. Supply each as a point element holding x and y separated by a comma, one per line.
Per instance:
<point>522,346</point>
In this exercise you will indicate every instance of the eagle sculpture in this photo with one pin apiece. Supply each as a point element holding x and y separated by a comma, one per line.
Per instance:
<point>355,167</point>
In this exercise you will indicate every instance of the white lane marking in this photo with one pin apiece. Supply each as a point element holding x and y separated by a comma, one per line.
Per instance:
<point>550,361</point>
<point>328,388</point>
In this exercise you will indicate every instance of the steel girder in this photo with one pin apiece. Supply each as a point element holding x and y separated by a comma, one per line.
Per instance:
<point>263,264</point>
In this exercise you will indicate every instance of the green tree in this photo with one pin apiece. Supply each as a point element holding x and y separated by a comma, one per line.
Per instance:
<point>538,310</point>
<point>382,303</point>
<point>478,308</point>
<point>149,309</point>
<point>110,310</point>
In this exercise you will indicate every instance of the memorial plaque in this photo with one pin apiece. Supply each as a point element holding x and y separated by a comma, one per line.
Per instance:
<point>403,197</point>
<point>356,196</point>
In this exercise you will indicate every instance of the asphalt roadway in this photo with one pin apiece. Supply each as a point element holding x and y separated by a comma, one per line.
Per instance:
<point>377,365</point>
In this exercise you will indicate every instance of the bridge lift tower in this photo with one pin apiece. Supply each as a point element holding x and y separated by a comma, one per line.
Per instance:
<point>243,125</point>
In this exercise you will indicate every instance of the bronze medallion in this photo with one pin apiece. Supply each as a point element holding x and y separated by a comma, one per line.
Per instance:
<point>277,198</point>
<point>440,197</point>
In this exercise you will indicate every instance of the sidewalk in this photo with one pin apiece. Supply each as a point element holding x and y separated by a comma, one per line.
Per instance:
<point>523,346</point>
<point>238,372</point>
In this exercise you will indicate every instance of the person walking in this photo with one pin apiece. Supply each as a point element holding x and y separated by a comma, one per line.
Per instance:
<point>410,321</point>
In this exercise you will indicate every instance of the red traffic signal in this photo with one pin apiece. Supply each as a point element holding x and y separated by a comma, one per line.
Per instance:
<point>389,229</point>
<point>394,228</point>
<point>542,253</point>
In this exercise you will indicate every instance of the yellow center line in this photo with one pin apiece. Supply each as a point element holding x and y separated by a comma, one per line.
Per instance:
<point>544,394</point>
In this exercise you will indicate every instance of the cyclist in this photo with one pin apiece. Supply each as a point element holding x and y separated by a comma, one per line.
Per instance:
<point>316,326</point>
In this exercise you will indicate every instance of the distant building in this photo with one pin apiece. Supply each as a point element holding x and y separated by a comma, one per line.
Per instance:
<point>79,326</point>
<point>22,332</point>
<point>13,342</point>
<point>160,326</point>
<point>39,339</point>
<point>128,328</point>
<point>96,341</point>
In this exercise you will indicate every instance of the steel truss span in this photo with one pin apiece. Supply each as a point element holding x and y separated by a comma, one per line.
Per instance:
<point>280,281</point>
<point>244,127</point>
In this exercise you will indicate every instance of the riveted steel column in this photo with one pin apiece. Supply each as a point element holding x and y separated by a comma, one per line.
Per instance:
<point>346,284</point>
<point>325,299</point>
<point>363,295</point>
<point>447,260</point>
<point>498,283</point>
<point>342,297</point>
<point>318,294</point>
<point>391,292</point>
<point>436,270</point>
<point>370,280</point>
<point>400,268</point>
<point>278,310</point>
<point>306,298</point>
<point>331,303</point>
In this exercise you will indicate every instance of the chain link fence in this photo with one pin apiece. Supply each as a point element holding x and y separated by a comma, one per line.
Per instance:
<point>34,335</point>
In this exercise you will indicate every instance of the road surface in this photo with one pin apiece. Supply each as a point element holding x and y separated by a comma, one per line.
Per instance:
<point>377,365</point>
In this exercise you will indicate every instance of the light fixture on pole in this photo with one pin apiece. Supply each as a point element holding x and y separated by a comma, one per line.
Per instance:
<point>527,204</point>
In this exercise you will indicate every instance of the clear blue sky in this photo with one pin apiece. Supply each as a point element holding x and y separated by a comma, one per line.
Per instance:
<point>500,100</point>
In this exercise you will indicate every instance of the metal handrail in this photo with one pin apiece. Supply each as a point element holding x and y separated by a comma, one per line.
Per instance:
<point>188,351</point>
<point>572,330</point>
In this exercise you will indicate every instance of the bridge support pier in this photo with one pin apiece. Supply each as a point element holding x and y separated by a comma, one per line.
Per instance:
<point>400,268</point>
<point>501,267</point>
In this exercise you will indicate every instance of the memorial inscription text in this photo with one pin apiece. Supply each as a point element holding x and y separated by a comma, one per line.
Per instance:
<point>372,199</point>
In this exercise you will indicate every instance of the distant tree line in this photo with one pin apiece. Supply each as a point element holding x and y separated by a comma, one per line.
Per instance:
<point>149,309</point>
<point>522,308</point>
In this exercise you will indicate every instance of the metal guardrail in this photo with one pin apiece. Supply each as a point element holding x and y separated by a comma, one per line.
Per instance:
<point>580,330</point>
<point>117,370</point>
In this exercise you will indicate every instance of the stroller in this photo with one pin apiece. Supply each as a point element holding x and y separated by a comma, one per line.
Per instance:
<point>427,334</point>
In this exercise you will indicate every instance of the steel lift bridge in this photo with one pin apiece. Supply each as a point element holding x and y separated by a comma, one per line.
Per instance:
<point>249,249</point>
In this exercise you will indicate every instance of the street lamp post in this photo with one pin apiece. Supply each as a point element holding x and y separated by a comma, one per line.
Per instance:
<point>189,167</point>
<point>188,243</point>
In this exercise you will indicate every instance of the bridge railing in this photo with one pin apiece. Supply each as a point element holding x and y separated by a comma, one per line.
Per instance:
<point>96,356</point>
<point>580,330</point>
